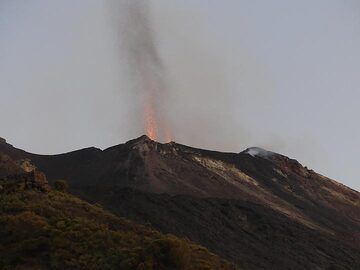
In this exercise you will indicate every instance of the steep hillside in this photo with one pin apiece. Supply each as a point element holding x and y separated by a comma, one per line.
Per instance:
<point>42,228</point>
<point>252,235</point>
<point>259,209</point>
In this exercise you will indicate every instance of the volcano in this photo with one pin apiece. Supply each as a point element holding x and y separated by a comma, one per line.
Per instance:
<point>255,208</point>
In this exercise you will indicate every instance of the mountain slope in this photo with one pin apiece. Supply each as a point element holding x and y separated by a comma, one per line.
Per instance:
<point>252,235</point>
<point>42,228</point>
<point>251,207</point>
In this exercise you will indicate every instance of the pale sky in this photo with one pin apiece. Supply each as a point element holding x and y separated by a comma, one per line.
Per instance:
<point>279,74</point>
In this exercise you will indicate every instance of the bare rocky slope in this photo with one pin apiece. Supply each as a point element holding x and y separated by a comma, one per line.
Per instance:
<point>259,209</point>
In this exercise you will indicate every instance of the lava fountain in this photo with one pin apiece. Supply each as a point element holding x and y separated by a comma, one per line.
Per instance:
<point>154,120</point>
<point>151,124</point>
<point>146,69</point>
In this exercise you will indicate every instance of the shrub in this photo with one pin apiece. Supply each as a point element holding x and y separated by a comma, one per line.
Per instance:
<point>61,185</point>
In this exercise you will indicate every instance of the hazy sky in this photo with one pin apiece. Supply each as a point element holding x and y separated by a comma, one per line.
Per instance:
<point>283,75</point>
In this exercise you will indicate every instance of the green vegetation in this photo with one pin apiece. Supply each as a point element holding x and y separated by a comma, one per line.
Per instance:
<point>55,230</point>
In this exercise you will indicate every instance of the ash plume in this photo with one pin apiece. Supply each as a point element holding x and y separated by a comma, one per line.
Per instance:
<point>144,67</point>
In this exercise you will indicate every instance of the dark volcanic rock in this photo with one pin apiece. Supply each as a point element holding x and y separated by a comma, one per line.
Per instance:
<point>35,180</point>
<point>21,175</point>
<point>257,208</point>
<point>252,235</point>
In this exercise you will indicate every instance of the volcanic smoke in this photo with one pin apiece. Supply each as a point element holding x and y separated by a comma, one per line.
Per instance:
<point>147,71</point>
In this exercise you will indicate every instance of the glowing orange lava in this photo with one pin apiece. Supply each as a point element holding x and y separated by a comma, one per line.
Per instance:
<point>154,125</point>
<point>150,122</point>
<point>155,122</point>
